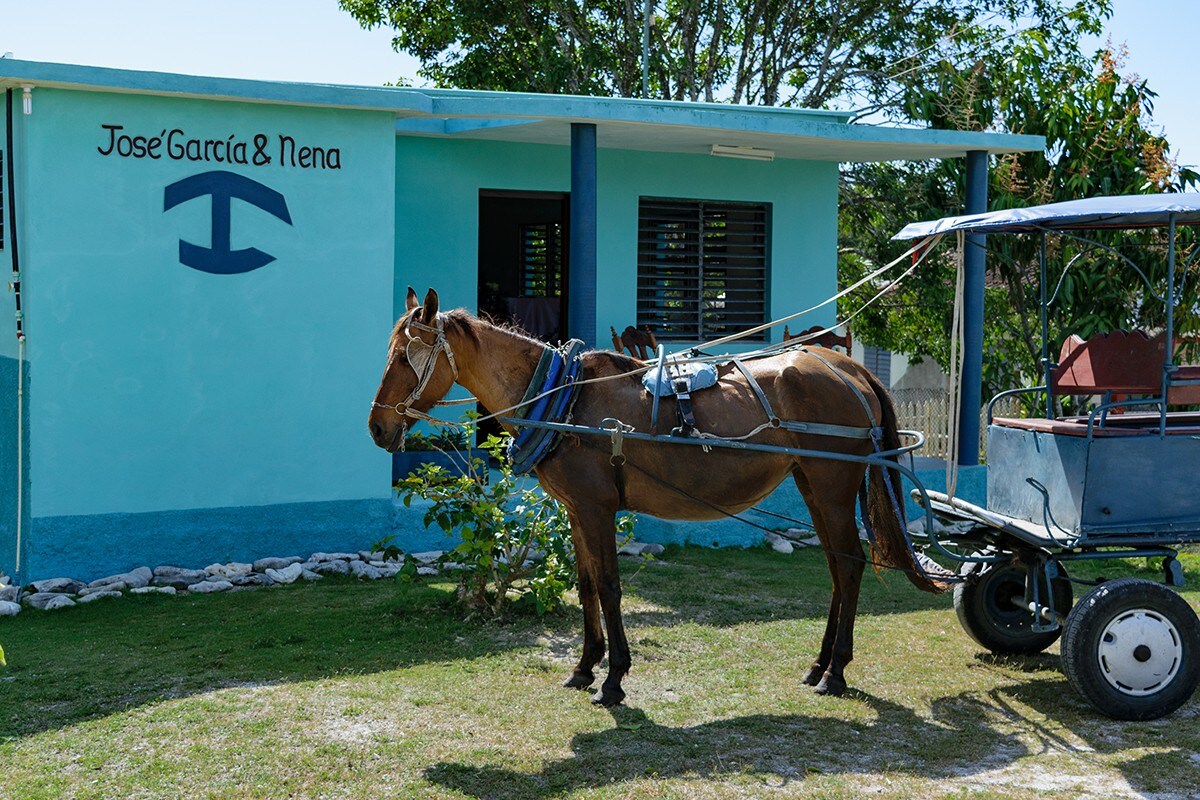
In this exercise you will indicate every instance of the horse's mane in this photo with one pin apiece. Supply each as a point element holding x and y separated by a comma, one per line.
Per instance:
<point>465,321</point>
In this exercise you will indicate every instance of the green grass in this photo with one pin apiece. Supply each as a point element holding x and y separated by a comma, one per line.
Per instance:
<point>365,690</point>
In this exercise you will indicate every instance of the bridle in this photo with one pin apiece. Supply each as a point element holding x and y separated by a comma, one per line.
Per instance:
<point>422,357</point>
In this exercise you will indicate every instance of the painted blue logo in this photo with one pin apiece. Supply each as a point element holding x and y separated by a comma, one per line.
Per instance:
<point>224,187</point>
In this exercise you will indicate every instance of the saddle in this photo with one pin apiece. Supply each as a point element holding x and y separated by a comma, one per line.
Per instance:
<point>679,380</point>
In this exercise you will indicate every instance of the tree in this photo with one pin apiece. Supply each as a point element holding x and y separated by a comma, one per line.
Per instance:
<point>759,52</point>
<point>984,65</point>
<point>1100,140</point>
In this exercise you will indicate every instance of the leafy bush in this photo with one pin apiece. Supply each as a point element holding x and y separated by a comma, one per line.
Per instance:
<point>516,541</point>
<point>443,439</point>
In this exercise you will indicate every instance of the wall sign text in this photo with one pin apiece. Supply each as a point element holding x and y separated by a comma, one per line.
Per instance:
<point>260,150</point>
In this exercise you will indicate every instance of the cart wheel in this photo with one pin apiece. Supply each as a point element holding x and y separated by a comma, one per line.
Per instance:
<point>985,609</point>
<point>1132,649</point>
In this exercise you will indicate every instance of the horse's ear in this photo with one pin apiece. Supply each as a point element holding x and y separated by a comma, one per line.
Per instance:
<point>410,302</point>
<point>429,308</point>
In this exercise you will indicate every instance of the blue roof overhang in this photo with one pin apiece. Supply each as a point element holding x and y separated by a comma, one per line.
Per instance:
<point>621,123</point>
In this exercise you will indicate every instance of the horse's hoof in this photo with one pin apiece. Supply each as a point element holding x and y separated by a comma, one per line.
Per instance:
<point>579,680</point>
<point>608,697</point>
<point>814,675</point>
<point>831,686</point>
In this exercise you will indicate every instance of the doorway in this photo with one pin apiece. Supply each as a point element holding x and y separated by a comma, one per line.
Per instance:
<point>523,271</point>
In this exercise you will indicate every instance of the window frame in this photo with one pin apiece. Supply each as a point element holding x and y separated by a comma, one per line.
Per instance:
<point>687,240</point>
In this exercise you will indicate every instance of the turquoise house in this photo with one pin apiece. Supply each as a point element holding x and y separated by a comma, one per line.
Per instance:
<point>205,273</point>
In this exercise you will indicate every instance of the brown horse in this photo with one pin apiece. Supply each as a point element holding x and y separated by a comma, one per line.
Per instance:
<point>497,365</point>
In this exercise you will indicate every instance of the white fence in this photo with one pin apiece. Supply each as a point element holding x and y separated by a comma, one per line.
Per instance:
<point>928,411</point>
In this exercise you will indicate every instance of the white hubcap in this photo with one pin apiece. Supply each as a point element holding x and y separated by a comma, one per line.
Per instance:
<point>1140,652</point>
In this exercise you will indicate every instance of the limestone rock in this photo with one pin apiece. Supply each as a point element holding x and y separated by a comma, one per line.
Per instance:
<point>133,579</point>
<point>177,573</point>
<point>230,570</point>
<point>58,601</point>
<point>630,548</point>
<point>290,573</point>
<point>333,557</point>
<point>208,587</point>
<point>253,579</point>
<point>168,590</point>
<point>118,587</point>
<point>362,569</point>
<point>39,599</point>
<point>60,585</point>
<point>429,556</point>
<point>264,564</point>
<point>9,609</point>
<point>180,583</point>
<point>97,595</point>
<point>309,575</point>
<point>5,580</point>
<point>426,571</point>
<point>9,594</point>
<point>652,549</point>
<point>778,543</point>
<point>333,567</point>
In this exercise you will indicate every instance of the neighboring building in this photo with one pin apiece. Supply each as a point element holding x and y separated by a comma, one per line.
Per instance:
<point>210,269</point>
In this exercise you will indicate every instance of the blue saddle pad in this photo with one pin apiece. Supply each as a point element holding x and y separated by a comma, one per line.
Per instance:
<point>699,376</point>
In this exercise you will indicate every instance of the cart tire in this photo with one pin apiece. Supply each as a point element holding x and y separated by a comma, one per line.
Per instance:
<point>1132,649</point>
<point>982,603</point>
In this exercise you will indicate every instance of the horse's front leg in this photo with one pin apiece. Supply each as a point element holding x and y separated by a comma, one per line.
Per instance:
<point>596,549</point>
<point>593,634</point>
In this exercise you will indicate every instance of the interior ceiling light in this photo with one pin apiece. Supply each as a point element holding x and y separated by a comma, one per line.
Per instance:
<point>738,151</point>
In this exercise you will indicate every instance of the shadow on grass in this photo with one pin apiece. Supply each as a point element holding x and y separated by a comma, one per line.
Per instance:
<point>100,659</point>
<point>968,735</point>
<point>773,750</point>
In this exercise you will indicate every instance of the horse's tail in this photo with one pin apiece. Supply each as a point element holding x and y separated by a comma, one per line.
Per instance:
<point>891,545</point>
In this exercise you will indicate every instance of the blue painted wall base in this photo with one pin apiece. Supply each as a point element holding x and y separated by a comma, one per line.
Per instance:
<point>786,500</point>
<point>96,545</point>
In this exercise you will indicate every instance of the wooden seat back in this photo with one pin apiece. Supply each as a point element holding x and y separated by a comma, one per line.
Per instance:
<point>828,339</point>
<point>640,344</point>
<point>1127,362</point>
<point>1123,363</point>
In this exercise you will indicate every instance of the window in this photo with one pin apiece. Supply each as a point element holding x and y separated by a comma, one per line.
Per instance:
<point>541,259</point>
<point>702,267</point>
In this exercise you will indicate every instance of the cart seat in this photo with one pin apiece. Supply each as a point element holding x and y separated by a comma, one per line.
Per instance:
<point>1073,427</point>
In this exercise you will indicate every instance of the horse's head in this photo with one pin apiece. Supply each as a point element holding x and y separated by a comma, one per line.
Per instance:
<point>416,376</point>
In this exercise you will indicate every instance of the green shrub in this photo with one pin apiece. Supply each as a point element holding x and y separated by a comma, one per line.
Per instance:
<point>516,542</point>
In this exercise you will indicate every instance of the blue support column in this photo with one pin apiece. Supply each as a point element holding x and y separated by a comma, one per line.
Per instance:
<point>581,288</point>
<point>970,400</point>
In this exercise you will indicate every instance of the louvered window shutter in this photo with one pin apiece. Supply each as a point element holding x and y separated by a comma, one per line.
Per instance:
<point>702,267</point>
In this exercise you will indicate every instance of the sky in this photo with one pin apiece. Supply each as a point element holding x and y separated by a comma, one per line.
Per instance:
<point>314,41</point>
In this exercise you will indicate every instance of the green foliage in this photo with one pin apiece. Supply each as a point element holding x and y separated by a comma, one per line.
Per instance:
<point>515,540</point>
<point>740,51</point>
<point>1100,141</point>
<point>3,663</point>
<point>441,439</point>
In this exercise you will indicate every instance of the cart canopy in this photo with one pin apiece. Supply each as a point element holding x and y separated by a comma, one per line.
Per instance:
<point>1126,211</point>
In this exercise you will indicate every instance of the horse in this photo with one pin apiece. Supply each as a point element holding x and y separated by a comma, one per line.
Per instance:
<point>430,351</point>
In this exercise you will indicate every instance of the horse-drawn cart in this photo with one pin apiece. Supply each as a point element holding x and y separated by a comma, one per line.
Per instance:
<point>1060,489</point>
<point>1108,483</point>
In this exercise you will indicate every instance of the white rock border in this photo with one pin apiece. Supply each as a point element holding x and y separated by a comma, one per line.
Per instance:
<point>167,579</point>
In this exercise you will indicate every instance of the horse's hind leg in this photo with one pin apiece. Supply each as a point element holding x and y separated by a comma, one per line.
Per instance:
<point>589,598</point>
<point>843,552</point>
<point>817,670</point>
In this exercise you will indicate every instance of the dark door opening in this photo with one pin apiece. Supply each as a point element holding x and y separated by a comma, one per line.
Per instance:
<point>523,261</point>
<point>523,266</point>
